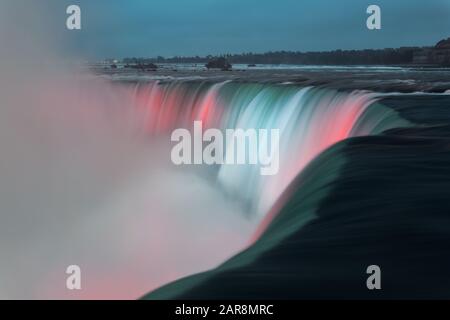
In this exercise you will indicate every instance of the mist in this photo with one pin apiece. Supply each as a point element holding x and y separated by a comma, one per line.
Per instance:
<point>82,184</point>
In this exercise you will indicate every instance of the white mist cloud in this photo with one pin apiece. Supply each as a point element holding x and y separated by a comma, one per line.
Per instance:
<point>80,185</point>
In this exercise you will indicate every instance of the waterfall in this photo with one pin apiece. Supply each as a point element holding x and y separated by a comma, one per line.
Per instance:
<point>90,160</point>
<point>310,119</point>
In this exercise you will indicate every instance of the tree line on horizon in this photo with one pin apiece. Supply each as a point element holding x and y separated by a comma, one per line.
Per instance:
<point>395,56</point>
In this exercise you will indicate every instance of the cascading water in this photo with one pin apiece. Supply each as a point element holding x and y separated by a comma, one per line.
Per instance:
<point>81,185</point>
<point>91,163</point>
<point>309,119</point>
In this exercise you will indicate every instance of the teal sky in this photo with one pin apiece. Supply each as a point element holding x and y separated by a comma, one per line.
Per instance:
<point>119,28</point>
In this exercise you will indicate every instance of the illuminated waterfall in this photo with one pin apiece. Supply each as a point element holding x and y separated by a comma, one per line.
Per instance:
<point>309,119</point>
<point>90,160</point>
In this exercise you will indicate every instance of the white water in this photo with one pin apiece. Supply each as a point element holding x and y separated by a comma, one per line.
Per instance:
<point>80,185</point>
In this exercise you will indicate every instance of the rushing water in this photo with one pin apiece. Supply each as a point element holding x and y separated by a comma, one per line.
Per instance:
<point>87,177</point>
<point>309,119</point>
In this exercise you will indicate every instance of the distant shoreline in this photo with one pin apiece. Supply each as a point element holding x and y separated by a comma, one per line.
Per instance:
<point>435,56</point>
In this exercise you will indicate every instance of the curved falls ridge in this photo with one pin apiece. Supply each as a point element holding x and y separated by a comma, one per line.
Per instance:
<point>379,199</point>
<point>92,160</point>
<point>310,120</point>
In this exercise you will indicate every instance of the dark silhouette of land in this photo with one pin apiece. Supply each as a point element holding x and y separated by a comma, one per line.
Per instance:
<point>438,55</point>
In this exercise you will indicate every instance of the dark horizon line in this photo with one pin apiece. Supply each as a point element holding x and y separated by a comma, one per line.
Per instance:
<point>206,56</point>
<point>279,51</point>
<point>270,51</point>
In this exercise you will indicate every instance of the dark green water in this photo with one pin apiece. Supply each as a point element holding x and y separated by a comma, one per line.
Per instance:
<point>380,200</point>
